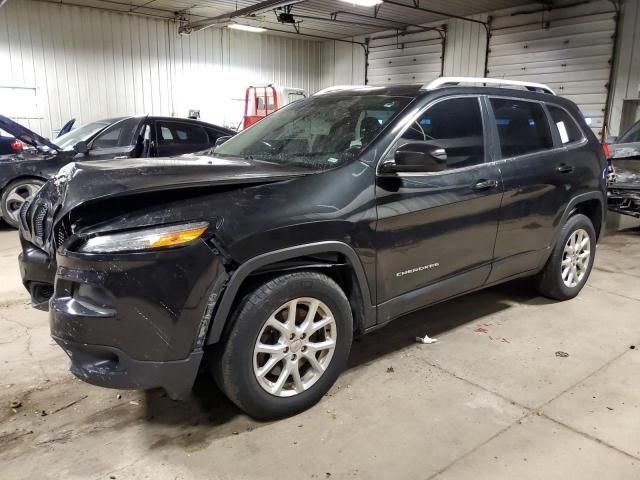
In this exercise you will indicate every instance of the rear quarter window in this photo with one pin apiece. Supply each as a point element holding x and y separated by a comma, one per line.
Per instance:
<point>568,130</point>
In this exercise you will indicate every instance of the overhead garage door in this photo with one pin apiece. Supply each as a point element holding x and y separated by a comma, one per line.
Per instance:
<point>406,58</point>
<point>570,49</point>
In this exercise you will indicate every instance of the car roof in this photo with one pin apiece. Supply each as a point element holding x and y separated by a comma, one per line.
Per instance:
<point>191,120</point>
<point>419,91</point>
<point>411,90</point>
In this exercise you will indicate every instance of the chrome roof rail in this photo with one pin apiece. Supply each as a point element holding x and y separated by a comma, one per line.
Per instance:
<point>338,88</point>
<point>449,81</point>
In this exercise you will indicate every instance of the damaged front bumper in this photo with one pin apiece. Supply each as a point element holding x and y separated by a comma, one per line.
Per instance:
<point>624,186</point>
<point>130,320</point>
<point>624,200</point>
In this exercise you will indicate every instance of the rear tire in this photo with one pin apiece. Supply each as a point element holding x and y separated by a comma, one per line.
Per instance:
<point>571,260</point>
<point>289,342</point>
<point>13,197</point>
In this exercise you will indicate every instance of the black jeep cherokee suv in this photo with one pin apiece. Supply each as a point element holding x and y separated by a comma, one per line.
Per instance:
<point>325,220</point>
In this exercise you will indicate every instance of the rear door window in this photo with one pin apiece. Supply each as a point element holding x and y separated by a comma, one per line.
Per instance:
<point>522,127</point>
<point>568,129</point>
<point>175,138</point>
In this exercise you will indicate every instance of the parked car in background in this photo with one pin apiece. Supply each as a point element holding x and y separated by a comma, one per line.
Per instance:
<point>624,172</point>
<point>327,219</point>
<point>9,145</point>
<point>23,172</point>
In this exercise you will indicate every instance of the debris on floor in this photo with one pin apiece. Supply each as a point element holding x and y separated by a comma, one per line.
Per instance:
<point>561,354</point>
<point>15,404</point>
<point>390,370</point>
<point>427,340</point>
<point>70,404</point>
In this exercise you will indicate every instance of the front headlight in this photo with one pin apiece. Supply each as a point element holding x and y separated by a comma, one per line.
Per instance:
<point>145,239</point>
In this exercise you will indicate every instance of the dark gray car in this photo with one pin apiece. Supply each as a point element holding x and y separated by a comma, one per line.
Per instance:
<point>23,173</point>
<point>624,172</point>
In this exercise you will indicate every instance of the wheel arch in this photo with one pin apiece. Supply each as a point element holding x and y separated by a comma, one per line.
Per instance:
<point>3,188</point>
<point>593,206</point>
<point>21,177</point>
<point>349,274</point>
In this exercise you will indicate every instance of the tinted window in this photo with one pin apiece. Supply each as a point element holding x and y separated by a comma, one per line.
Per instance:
<point>567,128</point>
<point>456,126</point>
<point>84,133</point>
<point>170,133</point>
<point>632,135</point>
<point>214,135</point>
<point>522,127</point>
<point>120,134</point>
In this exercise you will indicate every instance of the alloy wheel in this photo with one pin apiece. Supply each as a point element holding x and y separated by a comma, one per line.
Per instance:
<point>17,196</point>
<point>575,258</point>
<point>294,347</point>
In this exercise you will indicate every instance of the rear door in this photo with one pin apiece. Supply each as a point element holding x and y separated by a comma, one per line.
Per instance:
<point>540,152</point>
<point>436,231</point>
<point>175,137</point>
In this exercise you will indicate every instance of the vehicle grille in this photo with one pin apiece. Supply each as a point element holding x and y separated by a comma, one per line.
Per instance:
<point>38,222</point>
<point>38,219</point>
<point>24,213</point>
<point>61,236</point>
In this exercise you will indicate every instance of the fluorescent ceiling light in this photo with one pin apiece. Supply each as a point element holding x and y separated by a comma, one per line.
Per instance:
<point>246,28</point>
<point>363,3</point>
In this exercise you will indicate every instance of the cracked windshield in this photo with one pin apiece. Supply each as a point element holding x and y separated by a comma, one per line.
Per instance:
<point>319,133</point>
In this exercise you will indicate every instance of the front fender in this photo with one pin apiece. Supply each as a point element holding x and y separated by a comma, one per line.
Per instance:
<point>223,309</point>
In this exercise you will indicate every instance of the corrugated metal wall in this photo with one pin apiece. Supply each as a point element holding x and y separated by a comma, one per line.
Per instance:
<point>92,64</point>
<point>466,46</point>
<point>406,58</point>
<point>342,63</point>
<point>570,49</point>
<point>464,55</point>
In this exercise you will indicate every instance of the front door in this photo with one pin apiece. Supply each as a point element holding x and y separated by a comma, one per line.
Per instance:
<point>436,231</point>
<point>117,141</point>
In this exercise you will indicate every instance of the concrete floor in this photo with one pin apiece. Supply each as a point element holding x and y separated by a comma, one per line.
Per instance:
<point>491,400</point>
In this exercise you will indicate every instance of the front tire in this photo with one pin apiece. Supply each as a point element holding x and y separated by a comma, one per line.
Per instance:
<point>571,260</point>
<point>290,340</point>
<point>15,195</point>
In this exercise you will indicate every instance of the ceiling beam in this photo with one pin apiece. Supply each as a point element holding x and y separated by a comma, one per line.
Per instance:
<point>223,19</point>
<point>415,5</point>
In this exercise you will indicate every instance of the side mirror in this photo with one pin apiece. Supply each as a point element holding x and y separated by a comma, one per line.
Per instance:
<point>611,139</point>
<point>81,147</point>
<point>221,140</point>
<point>417,157</point>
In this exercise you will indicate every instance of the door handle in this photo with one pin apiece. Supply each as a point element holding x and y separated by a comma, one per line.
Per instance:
<point>485,184</point>
<point>564,168</point>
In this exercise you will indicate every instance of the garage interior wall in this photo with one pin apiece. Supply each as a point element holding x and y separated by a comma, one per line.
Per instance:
<point>625,106</point>
<point>92,64</point>
<point>344,64</point>
<point>572,52</point>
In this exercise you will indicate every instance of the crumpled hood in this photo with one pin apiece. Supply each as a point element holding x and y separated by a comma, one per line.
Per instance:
<point>82,181</point>
<point>25,135</point>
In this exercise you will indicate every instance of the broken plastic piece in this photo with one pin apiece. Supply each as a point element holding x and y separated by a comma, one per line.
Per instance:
<point>426,340</point>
